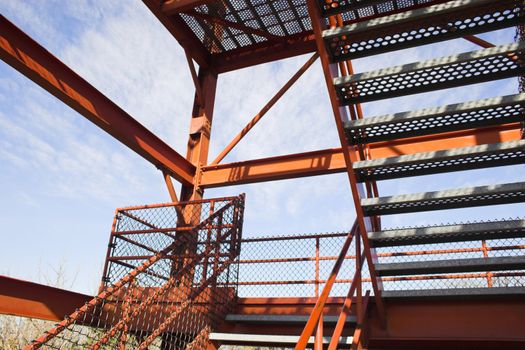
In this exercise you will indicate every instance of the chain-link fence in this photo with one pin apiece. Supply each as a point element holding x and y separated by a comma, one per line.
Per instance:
<point>299,265</point>
<point>170,276</point>
<point>295,266</point>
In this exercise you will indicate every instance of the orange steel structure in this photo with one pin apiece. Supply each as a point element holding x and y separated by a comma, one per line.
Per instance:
<point>370,310</point>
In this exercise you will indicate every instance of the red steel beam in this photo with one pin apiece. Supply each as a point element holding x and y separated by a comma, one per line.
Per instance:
<point>495,323</point>
<point>264,52</point>
<point>36,63</point>
<point>172,7</point>
<point>331,161</point>
<point>28,299</point>
<point>413,324</point>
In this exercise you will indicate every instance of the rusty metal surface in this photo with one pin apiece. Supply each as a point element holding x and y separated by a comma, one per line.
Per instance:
<point>176,287</point>
<point>230,35</point>
<point>28,299</point>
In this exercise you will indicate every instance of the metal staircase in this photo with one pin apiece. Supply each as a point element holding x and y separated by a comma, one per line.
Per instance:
<point>429,24</point>
<point>449,20</point>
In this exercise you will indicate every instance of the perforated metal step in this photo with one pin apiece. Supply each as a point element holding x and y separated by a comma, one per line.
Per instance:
<point>451,266</point>
<point>468,158</point>
<point>242,338</point>
<point>462,116</point>
<point>468,68</point>
<point>282,319</point>
<point>450,20</point>
<point>356,9</point>
<point>448,199</point>
<point>448,233</point>
<point>457,293</point>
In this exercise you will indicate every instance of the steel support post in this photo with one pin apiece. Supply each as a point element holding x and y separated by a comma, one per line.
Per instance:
<point>200,132</point>
<point>197,154</point>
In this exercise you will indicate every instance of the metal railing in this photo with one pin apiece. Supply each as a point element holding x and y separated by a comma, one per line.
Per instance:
<point>170,277</point>
<point>300,265</point>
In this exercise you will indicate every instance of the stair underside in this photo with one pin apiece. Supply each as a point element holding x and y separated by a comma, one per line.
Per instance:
<point>456,117</point>
<point>456,294</point>
<point>447,72</point>
<point>447,199</point>
<point>241,338</point>
<point>449,233</point>
<point>450,20</point>
<point>468,158</point>
<point>451,266</point>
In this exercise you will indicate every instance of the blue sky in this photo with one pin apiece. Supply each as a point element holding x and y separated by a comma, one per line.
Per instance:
<point>61,177</point>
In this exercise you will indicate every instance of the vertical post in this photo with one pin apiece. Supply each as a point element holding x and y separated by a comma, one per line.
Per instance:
<point>486,255</point>
<point>111,245</point>
<point>359,285</point>
<point>197,154</point>
<point>200,132</point>
<point>318,345</point>
<point>208,243</point>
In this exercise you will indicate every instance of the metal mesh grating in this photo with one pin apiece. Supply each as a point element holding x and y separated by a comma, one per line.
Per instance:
<point>447,72</point>
<point>445,161</point>
<point>468,197</point>
<point>170,278</point>
<point>428,122</point>
<point>295,266</point>
<point>275,20</point>
<point>445,21</point>
<point>279,18</point>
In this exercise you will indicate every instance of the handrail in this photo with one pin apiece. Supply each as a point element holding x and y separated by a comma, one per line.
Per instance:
<point>341,320</point>
<point>317,311</point>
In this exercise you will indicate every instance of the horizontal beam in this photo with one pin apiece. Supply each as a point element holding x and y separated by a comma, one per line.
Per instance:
<point>28,299</point>
<point>454,324</point>
<point>331,161</point>
<point>172,7</point>
<point>267,51</point>
<point>36,63</point>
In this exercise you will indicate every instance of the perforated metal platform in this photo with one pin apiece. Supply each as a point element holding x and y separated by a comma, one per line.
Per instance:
<point>508,263</point>
<point>448,233</point>
<point>468,158</point>
<point>211,23</point>
<point>448,199</point>
<point>468,68</point>
<point>453,19</point>
<point>462,116</point>
<point>277,18</point>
